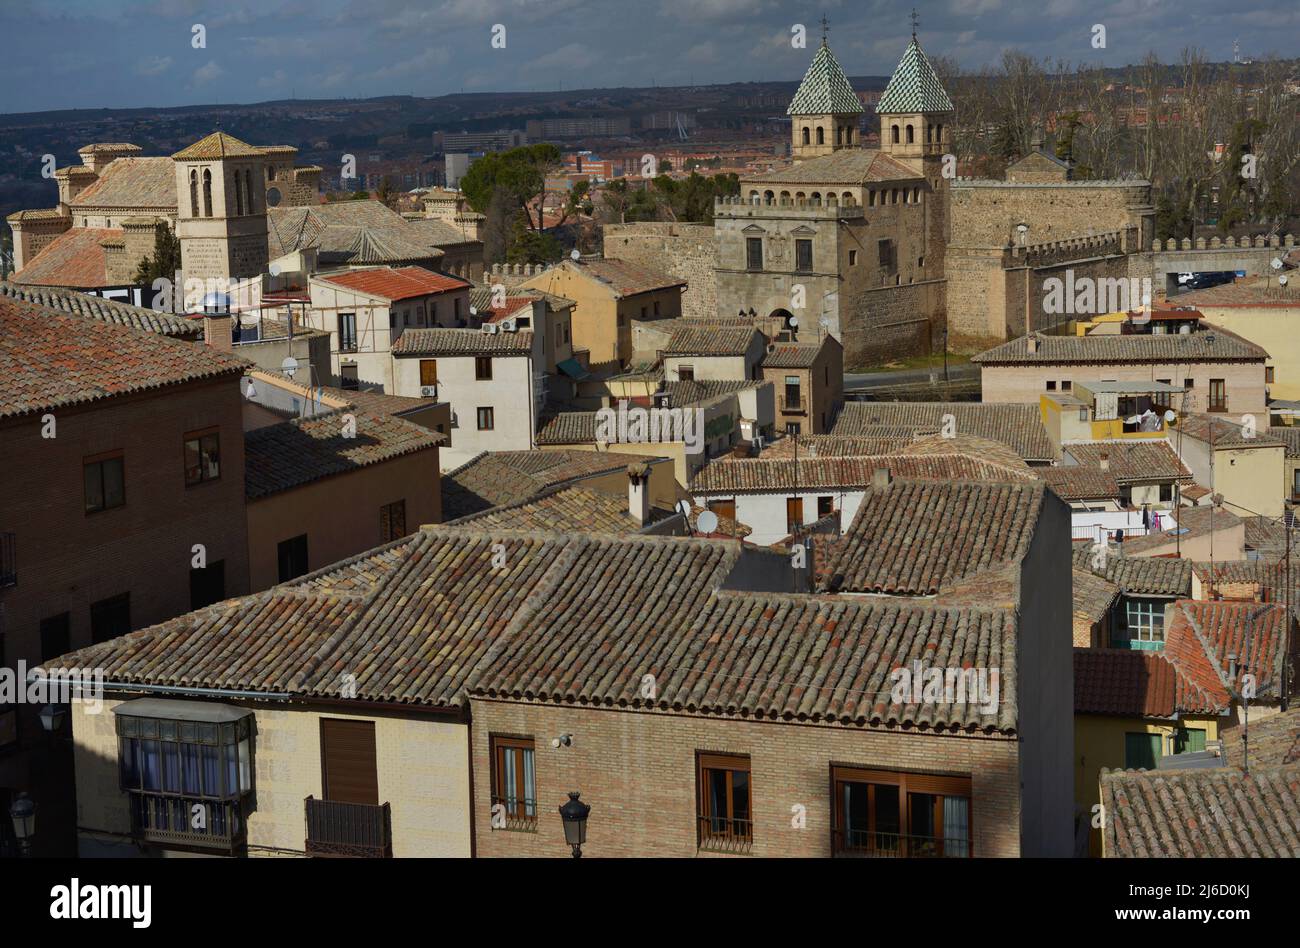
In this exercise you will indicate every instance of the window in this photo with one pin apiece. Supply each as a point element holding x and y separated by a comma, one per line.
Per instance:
<point>754,253</point>
<point>239,196</point>
<point>1268,374</point>
<point>428,372</point>
<point>1051,386</point>
<point>821,135</point>
<point>202,458</point>
<point>1066,385</point>
<point>1189,740</point>
<point>1144,626</point>
<point>881,813</point>
<point>793,427</point>
<point>724,803</point>
<point>55,636</point>
<point>686,373</point>
<point>483,368</point>
<point>173,769</point>
<point>656,307</point>
<point>793,512</point>
<point>885,252</point>
<point>825,506</point>
<point>347,332</point>
<point>723,508</point>
<point>110,618</point>
<point>1083,412</point>
<point>207,193</point>
<point>805,135</point>
<point>791,399</point>
<point>194,193</point>
<point>207,585</point>
<point>348,377</point>
<point>803,257</point>
<point>291,556</point>
<point>893,134</point>
<point>514,783</point>
<point>911,135</point>
<point>105,483</point>
<point>1166,493</point>
<point>1218,395</point>
<point>486,419</point>
<point>1141,751</point>
<point>853,258</point>
<point>392,521</point>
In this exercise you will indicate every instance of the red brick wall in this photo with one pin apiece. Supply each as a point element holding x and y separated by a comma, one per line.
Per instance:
<point>637,771</point>
<point>68,559</point>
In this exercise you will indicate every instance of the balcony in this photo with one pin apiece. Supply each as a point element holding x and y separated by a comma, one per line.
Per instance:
<point>172,820</point>
<point>792,405</point>
<point>349,829</point>
<point>8,560</point>
<point>723,835</point>
<point>868,845</point>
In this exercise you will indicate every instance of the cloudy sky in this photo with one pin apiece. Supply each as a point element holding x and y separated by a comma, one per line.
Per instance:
<point>139,53</point>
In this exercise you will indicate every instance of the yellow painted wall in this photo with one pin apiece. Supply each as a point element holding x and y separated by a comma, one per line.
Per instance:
<point>1099,742</point>
<point>423,767</point>
<point>1275,328</point>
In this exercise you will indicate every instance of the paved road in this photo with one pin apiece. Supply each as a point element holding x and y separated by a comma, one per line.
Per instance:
<point>859,381</point>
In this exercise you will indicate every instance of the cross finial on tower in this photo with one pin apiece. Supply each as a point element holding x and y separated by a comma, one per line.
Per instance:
<point>824,26</point>
<point>914,18</point>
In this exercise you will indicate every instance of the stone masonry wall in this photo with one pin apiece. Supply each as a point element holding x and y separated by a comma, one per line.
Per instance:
<point>686,251</point>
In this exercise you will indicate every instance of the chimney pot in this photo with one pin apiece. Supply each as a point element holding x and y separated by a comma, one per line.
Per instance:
<point>880,478</point>
<point>638,492</point>
<point>1032,342</point>
<point>1104,461</point>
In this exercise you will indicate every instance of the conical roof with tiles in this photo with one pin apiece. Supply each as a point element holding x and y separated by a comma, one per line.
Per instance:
<point>824,89</point>
<point>914,87</point>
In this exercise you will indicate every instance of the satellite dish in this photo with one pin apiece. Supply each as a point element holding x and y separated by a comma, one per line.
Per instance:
<point>1277,263</point>
<point>1170,415</point>
<point>1282,281</point>
<point>683,508</point>
<point>824,322</point>
<point>275,270</point>
<point>794,321</point>
<point>473,310</point>
<point>706,522</point>
<point>289,366</point>
<point>575,255</point>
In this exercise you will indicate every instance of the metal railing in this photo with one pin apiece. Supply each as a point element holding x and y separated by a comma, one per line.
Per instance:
<point>515,813</point>
<point>796,405</point>
<point>187,821</point>
<point>868,844</point>
<point>722,835</point>
<point>349,829</point>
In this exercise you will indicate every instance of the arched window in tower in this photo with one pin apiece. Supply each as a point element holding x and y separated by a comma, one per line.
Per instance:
<point>816,199</point>
<point>239,195</point>
<point>832,200</point>
<point>821,135</point>
<point>911,135</point>
<point>768,197</point>
<point>207,192</point>
<point>194,193</point>
<point>248,190</point>
<point>938,133</point>
<point>893,134</point>
<point>929,133</point>
<point>805,135</point>
<point>847,198</point>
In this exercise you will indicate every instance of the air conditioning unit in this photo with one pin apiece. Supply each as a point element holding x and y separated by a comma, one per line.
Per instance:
<point>429,391</point>
<point>489,328</point>
<point>455,421</point>
<point>508,325</point>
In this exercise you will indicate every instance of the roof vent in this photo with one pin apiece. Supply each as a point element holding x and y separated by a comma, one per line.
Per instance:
<point>880,478</point>
<point>1032,342</point>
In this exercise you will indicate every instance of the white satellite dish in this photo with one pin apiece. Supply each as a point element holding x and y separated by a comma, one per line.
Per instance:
<point>289,366</point>
<point>575,254</point>
<point>794,321</point>
<point>473,310</point>
<point>706,522</point>
<point>275,270</point>
<point>683,508</point>
<point>1277,263</point>
<point>1282,281</point>
<point>824,322</point>
<point>1170,415</point>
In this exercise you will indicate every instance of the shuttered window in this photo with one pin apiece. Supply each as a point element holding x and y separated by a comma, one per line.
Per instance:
<point>349,773</point>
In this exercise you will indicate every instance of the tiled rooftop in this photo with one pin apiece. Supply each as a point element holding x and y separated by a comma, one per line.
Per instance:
<point>917,538</point>
<point>52,359</point>
<point>741,475</point>
<point>350,232</point>
<point>1138,575</point>
<point>74,259</point>
<point>1019,426</point>
<point>913,87</point>
<point>824,89</point>
<point>1272,739</point>
<point>105,310</point>
<point>573,509</point>
<point>709,341</point>
<point>217,145</point>
<point>790,355</point>
<point>1223,432</point>
<point>1080,483</point>
<point>846,166</point>
<point>1192,521</point>
<point>627,279</point>
<point>511,477</point>
<point>293,453</point>
<point>463,342</point>
<point>1133,462</point>
<point>1217,812</point>
<point>1092,596</point>
<point>1211,344</point>
<point>131,184</point>
<point>1201,636</point>
<point>400,283</point>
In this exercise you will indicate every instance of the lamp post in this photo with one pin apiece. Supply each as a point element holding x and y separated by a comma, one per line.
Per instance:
<point>574,813</point>
<point>23,812</point>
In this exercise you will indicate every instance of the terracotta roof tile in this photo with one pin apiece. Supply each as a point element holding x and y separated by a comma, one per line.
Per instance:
<point>147,184</point>
<point>73,259</point>
<point>566,510</point>
<point>1019,426</point>
<point>401,283</point>
<point>740,475</point>
<point>218,145</point>
<point>709,340</point>
<point>498,478</point>
<point>1132,462</point>
<point>105,310</point>
<point>627,279</point>
<point>1272,739</point>
<point>1123,682</point>
<point>51,359</point>
<point>1138,575</point>
<point>1211,344</point>
<point>462,342</point>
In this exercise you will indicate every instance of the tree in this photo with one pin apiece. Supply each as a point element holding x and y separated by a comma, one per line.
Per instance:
<point>519,175</point>
<point>387,196</point>
<point>166,259</point>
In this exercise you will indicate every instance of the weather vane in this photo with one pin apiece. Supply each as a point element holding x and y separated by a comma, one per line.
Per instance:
<point>914,18</point>
<point>824,25</point>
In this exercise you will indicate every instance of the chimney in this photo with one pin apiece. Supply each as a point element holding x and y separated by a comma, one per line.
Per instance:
<point>1104,461</point>
<point>638,492</point>
<point>217,331</point>
<point>880,478</point>
<point>1032,342</point>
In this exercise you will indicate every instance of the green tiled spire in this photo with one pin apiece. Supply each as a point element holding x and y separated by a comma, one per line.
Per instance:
<point>914,87</point>
<point>825,89</point>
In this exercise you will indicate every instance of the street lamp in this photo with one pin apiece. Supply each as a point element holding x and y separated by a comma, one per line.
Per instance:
<point>23,812</point>
<point>574,813</point>
<point>52,716</point>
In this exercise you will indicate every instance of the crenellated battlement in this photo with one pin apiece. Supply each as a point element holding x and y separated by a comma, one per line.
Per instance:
<point>748,207</point>
<point>1223,243</point>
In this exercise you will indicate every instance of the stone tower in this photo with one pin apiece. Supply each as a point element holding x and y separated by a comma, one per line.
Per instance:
<point>221,209</point>
<point>915,115</point>
<point>824,113</point>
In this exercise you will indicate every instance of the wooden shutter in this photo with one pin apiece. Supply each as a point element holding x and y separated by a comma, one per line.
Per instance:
<point>349,773</point>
